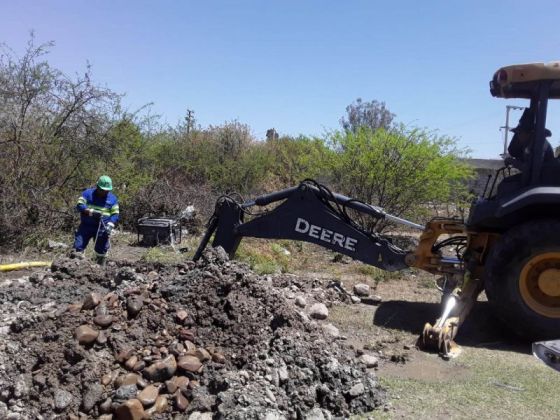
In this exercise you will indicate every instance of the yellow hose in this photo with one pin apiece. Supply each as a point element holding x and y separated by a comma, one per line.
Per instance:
<point>22,265</point>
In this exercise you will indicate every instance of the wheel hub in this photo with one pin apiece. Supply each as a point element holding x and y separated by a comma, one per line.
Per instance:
<point>549,282</point>
<point>539,284</point>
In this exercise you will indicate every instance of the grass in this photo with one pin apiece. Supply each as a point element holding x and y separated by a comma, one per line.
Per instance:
<point>162,255</point>
<point>498,385</point>
<point>264,257</point>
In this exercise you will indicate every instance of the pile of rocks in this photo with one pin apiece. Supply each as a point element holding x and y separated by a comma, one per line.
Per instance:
<point>209,340</point>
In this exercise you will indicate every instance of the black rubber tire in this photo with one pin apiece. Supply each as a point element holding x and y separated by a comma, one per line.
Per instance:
<point>503,267</point>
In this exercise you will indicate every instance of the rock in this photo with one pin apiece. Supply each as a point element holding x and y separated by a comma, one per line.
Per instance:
<point>219,358</point>
<point>85,334</point>
<point>127,379</point>
<point>62,399</point>
<point>356,390</point>
<point>91,396</point>
<point>105,406</point>
<point>160,406</point>
<point>148,395</point>
<point>202,354</point>
<point>372,300</point>
<point>101,338</point>
<point>91,301</point>
<point>130,363</point>
<point>21,387</point>
<point>56,245</point>
<point>125,392</point>
<point>355,299</point>
<point>315,414</point>
<point>197,415</point>
<point>319,311</point>
<point>331,330</point>
<point>300,301</point>
<point>106,379</point>
<point>189,363</point>
<point>361,289</point>
<point>181,402</point>
<point>283,375</point>
<point>162,370</point>
<point>181,315</point>
<point>134,305</point>
<point>369,360</point>
<point>124,355</point>
<point>103,320</point>
<point>130,410</point>
<point>140,365</point>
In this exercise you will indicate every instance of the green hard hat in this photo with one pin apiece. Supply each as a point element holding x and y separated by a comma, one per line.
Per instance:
<point>105,183</point>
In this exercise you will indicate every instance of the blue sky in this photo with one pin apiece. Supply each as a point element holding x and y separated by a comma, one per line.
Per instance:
<point>296,65</point>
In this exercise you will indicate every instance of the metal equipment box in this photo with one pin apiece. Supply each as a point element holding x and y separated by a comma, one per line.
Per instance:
<point>158,231</point>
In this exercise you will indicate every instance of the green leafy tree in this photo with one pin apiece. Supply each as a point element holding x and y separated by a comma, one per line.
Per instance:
<point>399,170</point>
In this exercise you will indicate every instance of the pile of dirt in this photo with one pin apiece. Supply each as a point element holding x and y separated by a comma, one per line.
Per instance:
<point>207,340</point>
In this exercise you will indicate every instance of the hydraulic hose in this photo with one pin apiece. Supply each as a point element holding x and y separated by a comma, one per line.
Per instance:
<point>23,265</point>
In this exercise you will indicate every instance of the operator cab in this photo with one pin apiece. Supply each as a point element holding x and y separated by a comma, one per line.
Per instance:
<point>532,189</point>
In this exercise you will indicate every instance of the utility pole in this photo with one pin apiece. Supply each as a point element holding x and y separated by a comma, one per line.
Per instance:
<point>506,127</point>
<point>190,120</point>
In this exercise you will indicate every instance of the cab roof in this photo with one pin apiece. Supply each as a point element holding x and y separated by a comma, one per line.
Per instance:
<point>521,80</point>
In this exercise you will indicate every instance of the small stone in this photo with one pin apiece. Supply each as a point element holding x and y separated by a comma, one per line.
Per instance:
<point>124,355</point>
<point>319,311</point>
<point>129,364</point>
<point>357,390</point>
<point>142,383</point>
<point>372,300</point>
<point>369,360</point>
<point>161,404</point>
<point>125,392</point>
<point>130,410</point>
<point>105,406</point>
<point>331,330</point>
<point>106,379</point>
<point>189,345</point>
<point>91,301</point>
<point>197,415</point>
<point>202,354</point>
<point>148,395</point>
<point>283,373</point>
<point>21,387</point>
<point>140,365</point>
<point>181,315</point>
<point>355,299</point>
<point>134,305</point>
<point>101,338</point>
<point>361,289</point>
<point>127,379</point>
<point>162,370</point>
<point>189,363</point>
<point>62,399</point>
<point>181,402</point>
<point>91,396</point>
<point>219,358</point>
<point>300,301</point>
<point>315,414</point>
<point>103,320</point>
<point>85,334</point>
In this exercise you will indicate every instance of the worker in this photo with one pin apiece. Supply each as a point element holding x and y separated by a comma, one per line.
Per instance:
<point>522,140</point>
<point>99,214</point>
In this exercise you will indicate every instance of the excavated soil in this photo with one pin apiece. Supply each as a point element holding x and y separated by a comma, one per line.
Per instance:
<point>204,340</point>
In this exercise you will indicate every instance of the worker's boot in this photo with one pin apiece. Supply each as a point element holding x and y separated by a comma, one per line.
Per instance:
<point>101,260</point>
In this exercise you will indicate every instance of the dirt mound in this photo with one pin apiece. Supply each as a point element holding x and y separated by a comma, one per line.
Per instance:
<point>210,339</point>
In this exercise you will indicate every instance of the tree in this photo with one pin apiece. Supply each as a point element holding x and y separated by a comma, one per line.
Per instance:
<point>53,132</point>
<point>399,170</point>
<point>372,115</point>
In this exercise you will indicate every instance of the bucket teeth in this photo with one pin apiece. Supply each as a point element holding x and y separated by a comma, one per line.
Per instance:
<point>440,340</point>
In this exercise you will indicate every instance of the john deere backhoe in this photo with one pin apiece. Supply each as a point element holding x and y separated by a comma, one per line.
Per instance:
<point>509,246</point>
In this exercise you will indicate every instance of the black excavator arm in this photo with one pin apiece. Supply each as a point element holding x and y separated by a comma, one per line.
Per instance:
<point>310,213</point>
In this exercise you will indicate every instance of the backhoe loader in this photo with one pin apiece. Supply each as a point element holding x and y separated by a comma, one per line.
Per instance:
<point>509,246</point>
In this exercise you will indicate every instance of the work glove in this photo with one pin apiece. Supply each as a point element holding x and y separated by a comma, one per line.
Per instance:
<point>109,228</point>
<point>92,212</point>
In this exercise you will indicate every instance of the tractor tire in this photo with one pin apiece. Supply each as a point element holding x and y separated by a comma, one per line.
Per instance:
<point>522,279</point>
